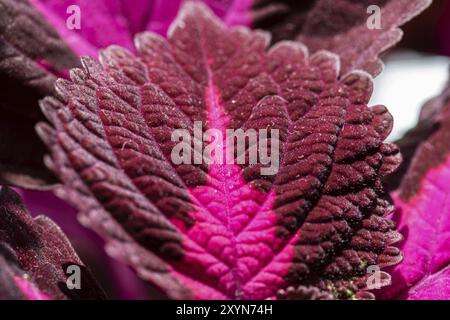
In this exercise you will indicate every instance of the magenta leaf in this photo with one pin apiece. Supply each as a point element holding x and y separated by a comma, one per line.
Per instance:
<point>339,26</point>
<point>35,256</point>
<point>29,49</point>
<point>227,231</point>
<point>125,18</point>
<point>423,203</point>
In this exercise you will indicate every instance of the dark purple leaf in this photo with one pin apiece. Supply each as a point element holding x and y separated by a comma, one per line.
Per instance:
<point>15,284</point>
<point>339,26</point>
<point>29,49</point>
<point>32,53</point>
<point>226,231</point>
<point>35,255</point>
<point>118,280</point>
<point>304,293</point>
<point>423,205</point>
<point>432,121</point>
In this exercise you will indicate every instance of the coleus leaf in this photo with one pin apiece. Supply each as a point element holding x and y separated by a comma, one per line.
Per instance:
<point>430,119</point>
<point>32,53</point>
<point>30,266</point>
<point>15,284</point>
<point>226,231</point>
<point>339,26</point>
<point>29,49</point>
<point>123,19</point>
<point>118,280</point>
<point>423,205</point>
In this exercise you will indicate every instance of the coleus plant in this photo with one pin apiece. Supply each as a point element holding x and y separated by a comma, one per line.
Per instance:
<point>223,231</point>
<point>215,231</point>
<point>33,54</point>
<point>35,255</point>
<point>422,202</point>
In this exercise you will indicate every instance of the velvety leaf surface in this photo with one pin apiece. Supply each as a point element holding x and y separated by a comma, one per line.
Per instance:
<point>339,26</point>
<point>118,280</point>
<point>15,284</point>
<point>423,203</point>
<point>225,231</point>
<point>34,256</point>
<point>32,52</point>
<point>29,48</point>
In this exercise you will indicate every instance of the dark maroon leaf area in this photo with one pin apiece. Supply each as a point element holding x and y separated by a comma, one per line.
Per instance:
<point>424,147</point>
<point>226,231</point>
<point>304,293</point>
<point>429,137</point>
<point>8,271</point>
<point>30,52</point>
<point>339,26</point>
<point>36,252</point>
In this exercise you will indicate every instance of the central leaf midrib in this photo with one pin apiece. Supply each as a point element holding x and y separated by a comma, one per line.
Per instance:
<point>225,186</point>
